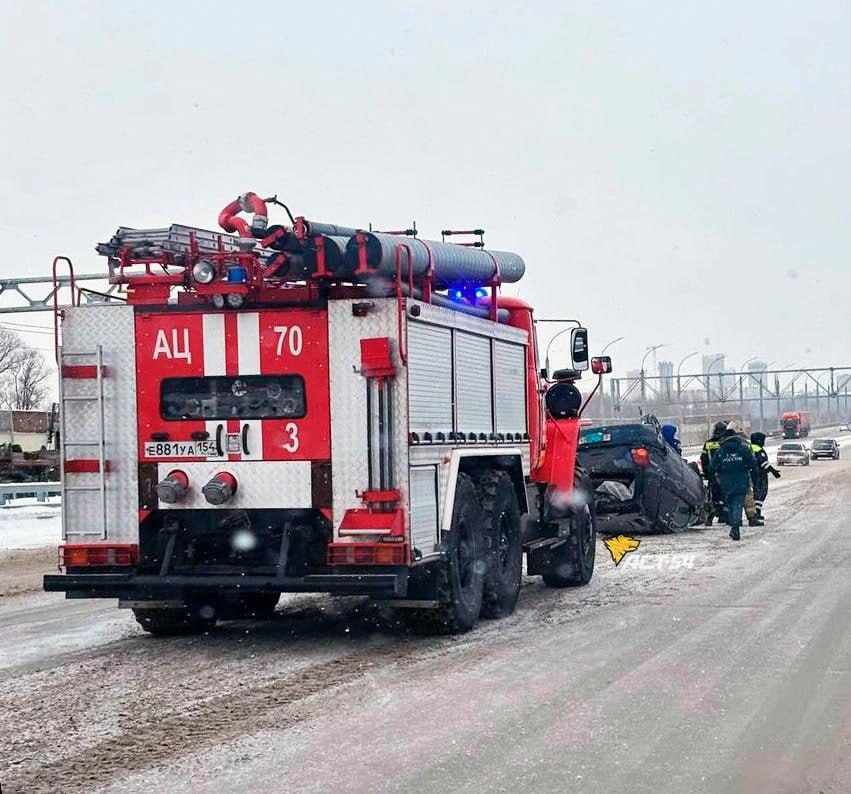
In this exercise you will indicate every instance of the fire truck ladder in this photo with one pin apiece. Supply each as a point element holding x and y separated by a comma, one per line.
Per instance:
<point>71,366</point>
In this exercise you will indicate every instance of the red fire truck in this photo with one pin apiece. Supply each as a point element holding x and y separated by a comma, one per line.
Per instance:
<point>314,408</point>
<point>795,424</point>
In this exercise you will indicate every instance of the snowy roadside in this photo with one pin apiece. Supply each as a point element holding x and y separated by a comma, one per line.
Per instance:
<point>21,570</point>
<point>30,524</point>
<point>30,531</point>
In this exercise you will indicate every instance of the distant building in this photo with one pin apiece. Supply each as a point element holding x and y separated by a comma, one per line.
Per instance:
<point>667,387</point>
<point>28,429</point>
<point>757,369</point>
<point>713,366</point>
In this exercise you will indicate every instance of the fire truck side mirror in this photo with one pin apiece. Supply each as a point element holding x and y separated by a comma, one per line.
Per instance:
<point>601,365</point>
<point>579,349</point>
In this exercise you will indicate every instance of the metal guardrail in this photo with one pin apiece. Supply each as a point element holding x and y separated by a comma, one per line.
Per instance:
<point>40,490</point>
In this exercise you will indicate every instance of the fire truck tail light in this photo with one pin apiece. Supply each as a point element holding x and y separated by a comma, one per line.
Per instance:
<point>368,554</point>
<point>641,456</point>
<point>93,555</point>
<point>220,489</point>
<point>173,488</point>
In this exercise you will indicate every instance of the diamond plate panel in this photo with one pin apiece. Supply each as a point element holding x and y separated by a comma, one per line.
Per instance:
<point>260,484</point>
<point>83,329</point>
<point>348,401</point>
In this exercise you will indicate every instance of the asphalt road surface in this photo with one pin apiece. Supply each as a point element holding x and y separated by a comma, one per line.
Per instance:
<point>697,664</point>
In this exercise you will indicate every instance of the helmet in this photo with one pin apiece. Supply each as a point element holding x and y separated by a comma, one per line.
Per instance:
<point>735,426</point>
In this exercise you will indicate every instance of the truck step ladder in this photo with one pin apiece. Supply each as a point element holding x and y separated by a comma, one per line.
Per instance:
<point>83,370</point>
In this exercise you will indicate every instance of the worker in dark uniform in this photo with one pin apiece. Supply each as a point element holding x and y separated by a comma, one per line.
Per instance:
<point>754,518</point>
<point>671,435</point>
<point>716,499</point>
<point>731,466</point>
<point>762,468</point>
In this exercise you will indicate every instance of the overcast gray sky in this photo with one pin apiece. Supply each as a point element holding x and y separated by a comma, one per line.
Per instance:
<point>672,172</point>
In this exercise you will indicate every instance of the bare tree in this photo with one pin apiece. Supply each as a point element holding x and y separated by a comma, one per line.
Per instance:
<point>11,347</point>
<point>23,384</point>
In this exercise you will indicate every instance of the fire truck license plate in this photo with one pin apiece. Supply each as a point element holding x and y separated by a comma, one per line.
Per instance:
<point>180,449</point>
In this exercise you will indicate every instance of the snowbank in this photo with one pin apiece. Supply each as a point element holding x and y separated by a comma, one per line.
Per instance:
<point>29,524</point>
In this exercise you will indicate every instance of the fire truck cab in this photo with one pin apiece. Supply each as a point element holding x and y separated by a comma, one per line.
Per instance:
<point>311,408</point>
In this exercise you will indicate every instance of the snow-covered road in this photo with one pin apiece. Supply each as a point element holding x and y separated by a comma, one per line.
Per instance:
<point>696,665</point>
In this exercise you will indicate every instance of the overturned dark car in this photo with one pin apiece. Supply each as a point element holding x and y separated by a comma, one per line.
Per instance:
<point>640,483</point>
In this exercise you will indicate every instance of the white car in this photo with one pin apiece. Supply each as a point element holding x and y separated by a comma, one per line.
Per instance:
<point>793,452</point>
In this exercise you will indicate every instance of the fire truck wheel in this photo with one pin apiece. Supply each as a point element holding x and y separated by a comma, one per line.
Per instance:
<point>465,565</point>
<point>173,622</point>
<point>501,528</point>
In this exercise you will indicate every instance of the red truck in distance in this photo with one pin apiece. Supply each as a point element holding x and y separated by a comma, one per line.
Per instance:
<point>795,424</point>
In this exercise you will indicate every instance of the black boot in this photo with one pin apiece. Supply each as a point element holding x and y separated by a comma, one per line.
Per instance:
<point>756,521</point>
<point>734,532</point>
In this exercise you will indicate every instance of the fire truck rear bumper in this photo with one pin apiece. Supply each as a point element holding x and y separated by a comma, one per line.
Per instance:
<point>391,583</point>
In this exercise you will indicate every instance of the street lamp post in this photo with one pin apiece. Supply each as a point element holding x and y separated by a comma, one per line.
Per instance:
<point>707,374</point>
<point>762,395</point>
<point>777,385</point>
<point>609,344</point>
<point>650,350</point>
<point>680,366</point>
<point>742,385</point>
<point>602,399</point>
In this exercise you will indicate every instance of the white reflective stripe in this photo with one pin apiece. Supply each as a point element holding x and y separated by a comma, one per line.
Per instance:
<point>214,344</point>
<point>213,330</point>
<point>248,334</point>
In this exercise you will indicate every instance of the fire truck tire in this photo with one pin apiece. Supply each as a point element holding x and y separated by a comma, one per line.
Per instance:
<point>573,562</point>
<point>258,606</point>
<point>501,530</point>
<point>464,572</point>
<point>172,622</point>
